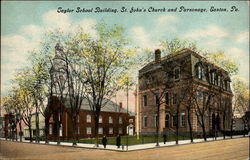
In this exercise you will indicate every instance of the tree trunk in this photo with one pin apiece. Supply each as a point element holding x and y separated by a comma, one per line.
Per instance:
<point>46,129</point>
<point>190,126</point>
<point>231,128</point>
<point>157,124</point>
<point>20,132</point>
<point>37,125</point>
<point>96,128</point>
<point>224,127</point>
<point>203,129</point>
<point>16,132</point>
<point>30,131</point>
<point>177,126</point>
<point>74,131</point>
<point>58,130</point>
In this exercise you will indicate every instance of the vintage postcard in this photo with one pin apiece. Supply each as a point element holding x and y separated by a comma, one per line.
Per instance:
<point>127,80</point>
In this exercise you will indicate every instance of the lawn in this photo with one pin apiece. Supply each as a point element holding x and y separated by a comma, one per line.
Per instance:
<point>132,140</point>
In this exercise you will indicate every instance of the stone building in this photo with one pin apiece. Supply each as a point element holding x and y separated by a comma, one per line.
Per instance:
<point>189,90</point>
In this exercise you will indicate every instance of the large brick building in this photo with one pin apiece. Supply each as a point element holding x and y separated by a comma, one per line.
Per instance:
<point>178,76</point>
<point>113,120</point>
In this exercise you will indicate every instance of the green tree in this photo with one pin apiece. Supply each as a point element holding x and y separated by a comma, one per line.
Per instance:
<point>103,61</point>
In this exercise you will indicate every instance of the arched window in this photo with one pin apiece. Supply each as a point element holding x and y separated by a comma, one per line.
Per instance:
<point>167,120</point>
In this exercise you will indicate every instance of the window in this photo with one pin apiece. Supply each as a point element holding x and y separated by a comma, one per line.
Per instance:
<point>199,71</point>
<point>88,130</point>
<point>219,81</point>
<point>199,96</point>
<point>131,120</point>
<point>156,98</point>
<point>167,121</point>
<point>120,131</point>
<point>110,119</point>
<point>100,119</point>
<point>183,119</point>
<point>110,130</point>
<point>228,85</point>
<point>216,80</point>
<point>100,130</point>
<point>120,120</point>
<point>213,76</point>
<point>175,118</point>
<point>167,98</point>
<point>145,100</point>
<point>50,129</point>
<point>177,73</point>
<point>175,98</point>
<point>145,121</point>
<point>88,118</point>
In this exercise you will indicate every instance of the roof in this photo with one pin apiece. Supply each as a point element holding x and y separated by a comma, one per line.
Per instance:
<point>110,106</point>
<point>152,65</point>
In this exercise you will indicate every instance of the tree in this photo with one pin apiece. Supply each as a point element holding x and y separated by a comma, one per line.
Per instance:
<point>155,83</point>
<point>103,62</point>
<point>240,101</point>
<point>24,84</point>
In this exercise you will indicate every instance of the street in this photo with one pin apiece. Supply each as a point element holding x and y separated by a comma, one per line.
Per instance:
<point>234,149</point>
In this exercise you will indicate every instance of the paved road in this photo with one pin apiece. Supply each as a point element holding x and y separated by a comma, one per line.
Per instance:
<point>235,149</point>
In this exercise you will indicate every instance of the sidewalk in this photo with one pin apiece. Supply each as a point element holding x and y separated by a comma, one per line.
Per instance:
<point>131,147</point>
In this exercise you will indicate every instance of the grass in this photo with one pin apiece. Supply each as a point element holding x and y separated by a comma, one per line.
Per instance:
<point>132,140</point>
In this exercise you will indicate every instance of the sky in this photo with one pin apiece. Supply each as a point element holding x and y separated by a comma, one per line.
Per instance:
<point>24,23</point>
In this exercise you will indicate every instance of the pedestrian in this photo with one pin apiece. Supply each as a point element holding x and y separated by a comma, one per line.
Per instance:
<point>118,141</point>
<point>164,138</point>
<point>104,141</point>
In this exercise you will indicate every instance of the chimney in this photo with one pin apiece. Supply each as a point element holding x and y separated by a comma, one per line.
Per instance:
<point>120,104</point>
<point>157,56</point>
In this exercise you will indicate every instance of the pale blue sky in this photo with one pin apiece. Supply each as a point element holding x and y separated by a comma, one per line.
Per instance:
<point>23,23</point>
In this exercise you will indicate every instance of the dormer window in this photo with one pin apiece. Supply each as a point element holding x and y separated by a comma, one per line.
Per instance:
<point>198,70</point>
<point>225,84</point>
<point>213,77</point>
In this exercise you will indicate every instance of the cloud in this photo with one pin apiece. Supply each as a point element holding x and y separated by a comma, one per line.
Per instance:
<point>208,31</point>
<point>14,53</point>
<point>141,37</point>
<point>53,20</point>
<point>167,22</point>
<point>243,37</point>
<point>237,53</point>
<point>15,48</point>
<point>88,26</point>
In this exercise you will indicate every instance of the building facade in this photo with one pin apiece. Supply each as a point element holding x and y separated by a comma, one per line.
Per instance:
<point>113,120</point>
<point>189,89</point>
